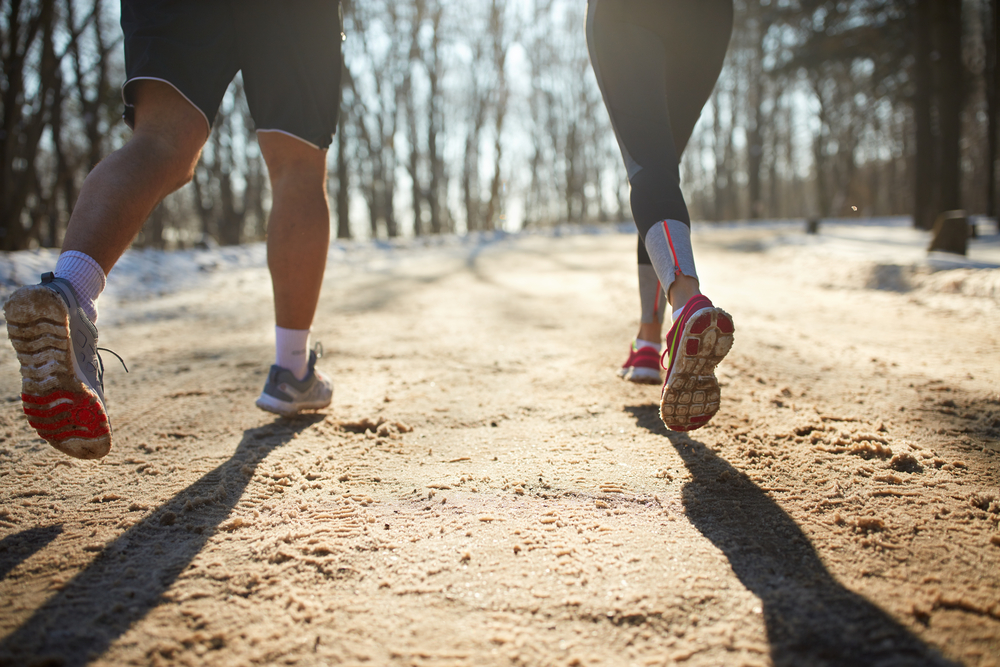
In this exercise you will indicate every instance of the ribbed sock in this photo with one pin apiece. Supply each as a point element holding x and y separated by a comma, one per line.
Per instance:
<point>86,277</point>
<point>292,350</point>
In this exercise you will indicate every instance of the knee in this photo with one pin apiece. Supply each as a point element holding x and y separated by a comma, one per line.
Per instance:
<point>178,168</point>
<point>301,185</point>
<point>169,130</point>
<point>174,158</point>
<point>291,163</point>
<point>184,169</point>
<point>303,179</point>
<point>656,196</point>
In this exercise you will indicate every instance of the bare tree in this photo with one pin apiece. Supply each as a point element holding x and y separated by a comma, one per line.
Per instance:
<point>500,43</point>
<point>440,221</point>
<point>889,106</point>
<point>30,77</point>
<point>477,102</point>
<point>342,171</point>
<point>378,31</point>
<point>413,134</point>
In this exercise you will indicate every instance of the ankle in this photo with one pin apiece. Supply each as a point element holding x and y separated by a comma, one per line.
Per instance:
<point>292,350</point>
<point>85,276</point>
<point>651,331</point>
<point>682,290</point>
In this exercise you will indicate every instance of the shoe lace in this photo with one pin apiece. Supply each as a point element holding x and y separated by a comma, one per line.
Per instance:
<point>668,348</point>
<point>100,363</point>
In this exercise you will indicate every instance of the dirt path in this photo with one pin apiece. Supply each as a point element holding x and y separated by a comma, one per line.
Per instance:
<point>485,491</point>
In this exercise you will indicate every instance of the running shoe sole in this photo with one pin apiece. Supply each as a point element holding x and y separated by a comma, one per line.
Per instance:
<point>62,408</point>
<point>285,409</point>
<point>691,395</point>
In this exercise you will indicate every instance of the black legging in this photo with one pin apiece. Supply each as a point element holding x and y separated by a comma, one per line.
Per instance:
<point>656,62</point>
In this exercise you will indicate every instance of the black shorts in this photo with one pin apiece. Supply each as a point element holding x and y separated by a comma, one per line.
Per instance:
<point>289,52</point>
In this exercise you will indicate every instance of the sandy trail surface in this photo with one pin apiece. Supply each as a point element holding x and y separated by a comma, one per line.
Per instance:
<point>485,490</point>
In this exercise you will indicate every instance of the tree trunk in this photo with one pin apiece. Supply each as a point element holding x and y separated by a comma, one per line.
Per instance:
<point>391,225</point>
<point>410,109</point>
<point>20,134</point>
<point>152,234</point>
<point>343,183</point>
<point>493,209</point>
<point>925,201</point>
<point>950,97</point>
<point>231,219</point>
<point>470,180</point>
<point>435,124</point>
<point>572,149</point>
<point>413,165</point>
<point>755,106</point>
<point>990,30</point>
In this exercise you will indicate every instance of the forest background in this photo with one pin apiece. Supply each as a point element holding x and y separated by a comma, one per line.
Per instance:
<point>475,116</point>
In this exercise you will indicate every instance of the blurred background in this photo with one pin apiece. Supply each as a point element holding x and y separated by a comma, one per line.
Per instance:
<point>465,116</point>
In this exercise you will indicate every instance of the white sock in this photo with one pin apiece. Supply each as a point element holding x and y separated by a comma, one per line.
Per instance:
<point>87,278</point>
<point>640,343</point>
<point>677,313</point>
<point>292,350</point>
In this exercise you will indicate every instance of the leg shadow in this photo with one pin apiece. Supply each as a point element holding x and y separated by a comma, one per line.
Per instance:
<point>96,607</point>
<point>19,547</point>
<point>811,619</point>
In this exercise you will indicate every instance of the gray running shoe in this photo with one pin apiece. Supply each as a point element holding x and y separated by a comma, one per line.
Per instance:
<point>287,396</point>
<point>62,378</point>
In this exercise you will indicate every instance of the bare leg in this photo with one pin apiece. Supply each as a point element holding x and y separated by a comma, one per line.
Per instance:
<point>121,192</point>
<point>115,200</point>
<point>651,331</point>
<point>298,231</point>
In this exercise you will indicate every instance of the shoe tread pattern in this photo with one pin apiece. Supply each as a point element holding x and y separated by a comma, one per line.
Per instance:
<point>691,395</point>
<point>61,408</point>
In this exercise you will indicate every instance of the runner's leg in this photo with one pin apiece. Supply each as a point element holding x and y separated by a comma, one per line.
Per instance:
<point>51,324</point>
<point>638,49</point>
<point>291,62</point>
<point>125,187</point>
<point>298,230</point>
<point>298,237</point>
<point>655,61</point>
<point>629,62</point>
<point>652,301</point>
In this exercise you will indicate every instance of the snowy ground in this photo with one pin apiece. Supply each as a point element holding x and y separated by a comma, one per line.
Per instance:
<point>882,242</point>
<point>485,491</point>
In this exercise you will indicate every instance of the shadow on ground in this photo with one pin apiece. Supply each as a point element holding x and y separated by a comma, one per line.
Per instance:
<point>98,605</point>
<point>973,419</point>
<point>19,547</point>
<point>811,619</point>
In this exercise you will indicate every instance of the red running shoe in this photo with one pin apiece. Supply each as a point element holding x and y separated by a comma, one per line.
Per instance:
<point>696,343</point>
<point>642,366</point>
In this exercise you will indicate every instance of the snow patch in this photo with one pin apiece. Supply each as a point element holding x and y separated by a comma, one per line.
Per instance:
<point>877,253</point>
